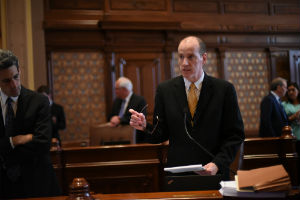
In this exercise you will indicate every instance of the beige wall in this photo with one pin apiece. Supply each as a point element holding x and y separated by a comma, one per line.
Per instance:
<point>24,36</point>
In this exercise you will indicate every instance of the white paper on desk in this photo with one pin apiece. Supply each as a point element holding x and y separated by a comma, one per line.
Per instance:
<point>229,189</point>
<point>186,168</point>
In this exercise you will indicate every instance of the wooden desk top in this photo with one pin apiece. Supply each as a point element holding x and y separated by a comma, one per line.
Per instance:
<point>189,195</point>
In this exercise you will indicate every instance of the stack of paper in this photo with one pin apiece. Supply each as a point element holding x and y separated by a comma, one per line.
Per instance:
<point>229,189</point>
<point>186,168</point>
<point>268,179</point>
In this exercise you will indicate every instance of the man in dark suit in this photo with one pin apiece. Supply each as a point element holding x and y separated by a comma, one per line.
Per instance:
<point>57,115</point>
<point>198,105</point>
<point>272,115</point>
<point>25,165</point>
<point>125,100</point>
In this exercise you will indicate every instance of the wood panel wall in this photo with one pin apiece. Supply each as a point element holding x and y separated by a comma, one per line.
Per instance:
<point>141,37</point>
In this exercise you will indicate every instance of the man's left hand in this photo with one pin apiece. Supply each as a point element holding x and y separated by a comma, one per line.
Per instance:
<point>210,169</point>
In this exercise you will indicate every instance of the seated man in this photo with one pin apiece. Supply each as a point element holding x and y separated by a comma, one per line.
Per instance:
<point>125,100</point>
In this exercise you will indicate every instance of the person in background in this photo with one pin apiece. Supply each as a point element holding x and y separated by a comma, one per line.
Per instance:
<point>197,113</point>
<point>292,109</point>
<point>25,134</point>
<point>57,115</point>
<point>125,100</point>
<point>272,115</point>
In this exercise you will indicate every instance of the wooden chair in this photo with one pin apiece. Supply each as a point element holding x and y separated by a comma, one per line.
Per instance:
<point>103,134</point>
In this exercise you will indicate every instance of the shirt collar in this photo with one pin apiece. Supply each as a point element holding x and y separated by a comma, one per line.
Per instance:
<point>276,96</point>
<point>128,97</point>
<point>4,97</point>
<point>187,83</point>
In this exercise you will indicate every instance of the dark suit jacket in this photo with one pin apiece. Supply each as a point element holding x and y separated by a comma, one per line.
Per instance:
<point>37,177</point>
<point>218,124</point>
<point>57,111</point>
<point>272,117</point>
<point>135,102</point>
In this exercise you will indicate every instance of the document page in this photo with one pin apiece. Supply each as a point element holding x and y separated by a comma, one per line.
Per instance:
<point>186,168</point>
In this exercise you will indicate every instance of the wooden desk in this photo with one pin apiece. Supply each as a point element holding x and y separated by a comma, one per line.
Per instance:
<point>112,169</point>
<point>190,195</point>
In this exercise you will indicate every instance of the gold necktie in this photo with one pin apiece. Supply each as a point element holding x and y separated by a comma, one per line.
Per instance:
<point>192,99</point>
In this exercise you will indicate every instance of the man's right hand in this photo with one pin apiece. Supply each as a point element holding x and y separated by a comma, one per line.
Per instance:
<point>137,120</point>
<point>114,121</point>
<point>21,139</point>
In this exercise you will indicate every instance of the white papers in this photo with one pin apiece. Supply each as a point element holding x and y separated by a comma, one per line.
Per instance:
<point>187,168</point>
<point>229,189</point>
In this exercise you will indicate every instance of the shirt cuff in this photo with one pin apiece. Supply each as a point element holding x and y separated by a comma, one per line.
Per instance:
<point>11,142</point>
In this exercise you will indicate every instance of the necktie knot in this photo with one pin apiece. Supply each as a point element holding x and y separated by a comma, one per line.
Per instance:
<point>8,100</point>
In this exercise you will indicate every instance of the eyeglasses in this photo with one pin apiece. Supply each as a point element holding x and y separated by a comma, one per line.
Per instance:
<point>156,124</point>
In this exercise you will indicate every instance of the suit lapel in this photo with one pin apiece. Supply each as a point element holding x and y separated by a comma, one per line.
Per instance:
<point>181,98</point>
<point>204,98</point>
<point>21,105</point>
<point>279,107</point>
<point>2,129</point>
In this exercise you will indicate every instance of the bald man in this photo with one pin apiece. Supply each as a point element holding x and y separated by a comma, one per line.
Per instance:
<point>197,113</point>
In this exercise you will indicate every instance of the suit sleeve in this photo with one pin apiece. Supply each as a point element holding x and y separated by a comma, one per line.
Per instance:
<point>232,134</point>
<point>159,128</point>
<point>61,119</point>
<point>41,130</point>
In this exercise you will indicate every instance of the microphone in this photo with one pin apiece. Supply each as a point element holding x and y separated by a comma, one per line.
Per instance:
<point>197,143</point>
<point>185,110</point>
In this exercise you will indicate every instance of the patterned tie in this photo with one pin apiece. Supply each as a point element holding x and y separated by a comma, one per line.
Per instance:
<point>9,118</point>
<point>121,113</point>
<point>192,99</point>
<point>13,171</point>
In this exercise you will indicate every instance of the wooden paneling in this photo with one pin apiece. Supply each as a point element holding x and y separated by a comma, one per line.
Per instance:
<point>145,34</point>
<point>279,64</point>
<point>77,4</point>
<point>154,5</point>
<point>196,6</point>
<point>246,6</point>
<point>144,70</point>
<point>282,7</point>
<point>295,66</point>
<point>203,15</point>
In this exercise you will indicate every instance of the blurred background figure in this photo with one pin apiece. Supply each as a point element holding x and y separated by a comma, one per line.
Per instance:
<point>272,115</point>
<point>126,99</point>
<point>57,114</point>
<point>292,109</point>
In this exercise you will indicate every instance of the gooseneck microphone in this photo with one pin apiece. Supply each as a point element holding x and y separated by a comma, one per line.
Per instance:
<point>198,144</point>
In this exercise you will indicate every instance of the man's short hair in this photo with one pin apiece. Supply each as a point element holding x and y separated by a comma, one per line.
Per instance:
<point>8,59</point>
<point>43,89</point>
<point>125,83</point>
<point>275,82</point>
<point>202,46</point>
